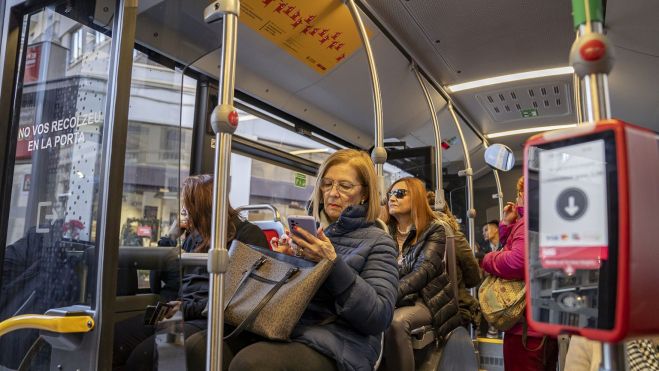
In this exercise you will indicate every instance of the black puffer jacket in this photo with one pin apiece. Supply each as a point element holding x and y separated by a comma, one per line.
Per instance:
<point>423,272</point>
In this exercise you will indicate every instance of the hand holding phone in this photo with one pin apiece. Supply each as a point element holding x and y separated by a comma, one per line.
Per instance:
<point>306,222</point>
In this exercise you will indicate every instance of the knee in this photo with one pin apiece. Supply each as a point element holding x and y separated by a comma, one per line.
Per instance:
<point>249,361</point>
<point>400,324</point>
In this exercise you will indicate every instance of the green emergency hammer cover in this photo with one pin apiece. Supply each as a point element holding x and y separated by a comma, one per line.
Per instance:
<point>579,11</point>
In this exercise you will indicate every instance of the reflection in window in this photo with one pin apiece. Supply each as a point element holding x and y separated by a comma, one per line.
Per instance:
<point>76,45</point>
<point>158,150</point>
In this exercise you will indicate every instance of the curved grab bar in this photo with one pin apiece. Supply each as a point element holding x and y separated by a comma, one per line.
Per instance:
<point>66,324</point>
<point>275,211</point>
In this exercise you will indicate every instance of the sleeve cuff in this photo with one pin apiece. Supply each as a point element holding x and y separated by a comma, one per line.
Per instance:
<point>341,277</point>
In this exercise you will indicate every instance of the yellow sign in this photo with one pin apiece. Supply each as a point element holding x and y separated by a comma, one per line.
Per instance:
<point>320,33</point>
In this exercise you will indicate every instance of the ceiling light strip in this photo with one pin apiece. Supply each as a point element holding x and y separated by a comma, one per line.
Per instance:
<point>528,130</point>
<point>511,78</point>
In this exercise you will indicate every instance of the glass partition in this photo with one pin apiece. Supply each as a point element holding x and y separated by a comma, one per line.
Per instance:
<point>52,230</point>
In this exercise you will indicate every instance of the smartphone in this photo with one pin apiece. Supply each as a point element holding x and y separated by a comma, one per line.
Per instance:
<point>306,222</point>
<point>155,313</point>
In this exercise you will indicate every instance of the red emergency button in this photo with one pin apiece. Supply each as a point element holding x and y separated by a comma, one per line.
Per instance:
<point>233,118</point>
<point>592,50</point>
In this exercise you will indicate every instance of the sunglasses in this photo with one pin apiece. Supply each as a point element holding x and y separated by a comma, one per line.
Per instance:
<point>399,193</point>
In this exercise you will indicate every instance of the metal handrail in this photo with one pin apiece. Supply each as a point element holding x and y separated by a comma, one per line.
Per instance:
<point>275,211</point>
<point>61,325</point>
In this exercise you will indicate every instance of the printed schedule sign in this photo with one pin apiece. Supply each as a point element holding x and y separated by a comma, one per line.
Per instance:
<point>573,207</point>
<point>319,33</point>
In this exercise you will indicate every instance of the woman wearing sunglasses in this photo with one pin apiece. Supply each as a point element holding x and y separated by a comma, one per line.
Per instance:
<point>424,294</point>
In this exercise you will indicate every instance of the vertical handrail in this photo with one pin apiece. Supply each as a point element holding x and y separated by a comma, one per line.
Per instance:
<point>113,143</point>
<point>224,121</point>
<point>497,181</point>
<point>471,212</point>
<point>499,192</point>
<point>592,58</point>
<point>468,173</point>
<point>379,155</point>
<point>439,185</point>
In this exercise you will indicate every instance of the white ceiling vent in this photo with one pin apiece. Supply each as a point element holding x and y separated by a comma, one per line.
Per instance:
<point>519,103</point>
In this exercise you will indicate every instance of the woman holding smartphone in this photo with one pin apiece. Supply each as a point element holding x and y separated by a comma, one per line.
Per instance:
<point>425,295</point>
<point>342,326</point>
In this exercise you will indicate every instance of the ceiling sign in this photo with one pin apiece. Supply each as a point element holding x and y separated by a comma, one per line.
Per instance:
<point>320,33</point>
<point>573,207</point>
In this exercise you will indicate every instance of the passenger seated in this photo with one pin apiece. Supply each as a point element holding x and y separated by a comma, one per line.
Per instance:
<point>342,326</point>
<point>425,295</point>
<point>197,199</point>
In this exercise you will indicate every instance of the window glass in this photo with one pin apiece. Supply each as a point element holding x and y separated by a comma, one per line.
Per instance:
<point>49,258</point>
<point>282,138</point>
<point>158,151</point>
<point>258,182</point>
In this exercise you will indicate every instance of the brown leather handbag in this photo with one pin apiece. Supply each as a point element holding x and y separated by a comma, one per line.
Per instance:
<point>266,292</point>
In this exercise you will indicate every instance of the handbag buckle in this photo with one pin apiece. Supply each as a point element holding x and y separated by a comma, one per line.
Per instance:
<point>260,262</point>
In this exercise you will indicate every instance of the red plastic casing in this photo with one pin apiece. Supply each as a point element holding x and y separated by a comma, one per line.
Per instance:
<point>637,302</point>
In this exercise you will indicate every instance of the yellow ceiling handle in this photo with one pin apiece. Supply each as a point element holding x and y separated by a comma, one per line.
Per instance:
<point>68,324</point>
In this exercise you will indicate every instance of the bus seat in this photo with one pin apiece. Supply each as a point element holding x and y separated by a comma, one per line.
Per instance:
<point>270,228</point>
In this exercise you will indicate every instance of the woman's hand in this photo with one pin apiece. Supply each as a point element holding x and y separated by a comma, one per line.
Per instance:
<point>509,213</point>
<point>283,244</point>
<point>313,248</point>
<point>175,306</point>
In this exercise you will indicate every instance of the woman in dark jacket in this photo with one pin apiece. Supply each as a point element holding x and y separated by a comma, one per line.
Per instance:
<point>425,295</point>
<point>342,326</point>
<point>197,201</point>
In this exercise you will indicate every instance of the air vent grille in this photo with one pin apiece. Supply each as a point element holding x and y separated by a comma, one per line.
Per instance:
<point>547,100</point>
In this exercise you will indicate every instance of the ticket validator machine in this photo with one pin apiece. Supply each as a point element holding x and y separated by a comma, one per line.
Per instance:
<point>592,196</point>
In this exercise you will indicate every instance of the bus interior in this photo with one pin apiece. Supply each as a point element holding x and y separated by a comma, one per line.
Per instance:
<point>105,109</point>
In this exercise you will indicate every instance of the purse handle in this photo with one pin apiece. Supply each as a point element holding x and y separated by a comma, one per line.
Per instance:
<point>451,260</point>
<point>252,315</point>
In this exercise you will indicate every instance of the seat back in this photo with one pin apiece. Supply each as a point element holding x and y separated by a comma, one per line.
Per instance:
<point>271,228</point>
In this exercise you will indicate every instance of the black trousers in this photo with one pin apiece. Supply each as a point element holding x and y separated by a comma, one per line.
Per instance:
<point>398,351</point>
<point>249,352</point>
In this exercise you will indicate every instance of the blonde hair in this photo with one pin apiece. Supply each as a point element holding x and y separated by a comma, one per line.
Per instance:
<point>362,163</point>
<point>420,210</point>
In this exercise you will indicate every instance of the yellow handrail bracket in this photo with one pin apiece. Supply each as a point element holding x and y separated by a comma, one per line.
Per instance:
<point>57,324</point>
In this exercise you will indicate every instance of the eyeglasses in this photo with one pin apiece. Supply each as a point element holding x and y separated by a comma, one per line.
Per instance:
<point>399,193</point>
<point>342,186</point>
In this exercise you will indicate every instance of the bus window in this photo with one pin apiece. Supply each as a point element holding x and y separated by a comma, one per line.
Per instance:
<point>158,150</point>
<point>257,182</point>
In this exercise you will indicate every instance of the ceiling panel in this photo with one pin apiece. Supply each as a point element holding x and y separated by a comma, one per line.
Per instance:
<point>634,82</point>
<point>468,40</point>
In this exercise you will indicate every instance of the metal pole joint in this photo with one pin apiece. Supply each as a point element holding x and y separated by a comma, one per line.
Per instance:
<point>217,9</point>
<point>218,260</point>
<point>466,172</point>
<point>591,53</point>
<point>224,119</point>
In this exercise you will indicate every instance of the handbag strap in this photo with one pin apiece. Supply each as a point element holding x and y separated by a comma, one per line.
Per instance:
<point>525,336</point>
<point>252,315</point>
<point>257,264</point>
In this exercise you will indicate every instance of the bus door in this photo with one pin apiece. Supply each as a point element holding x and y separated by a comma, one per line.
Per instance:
<point>91,134</point>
